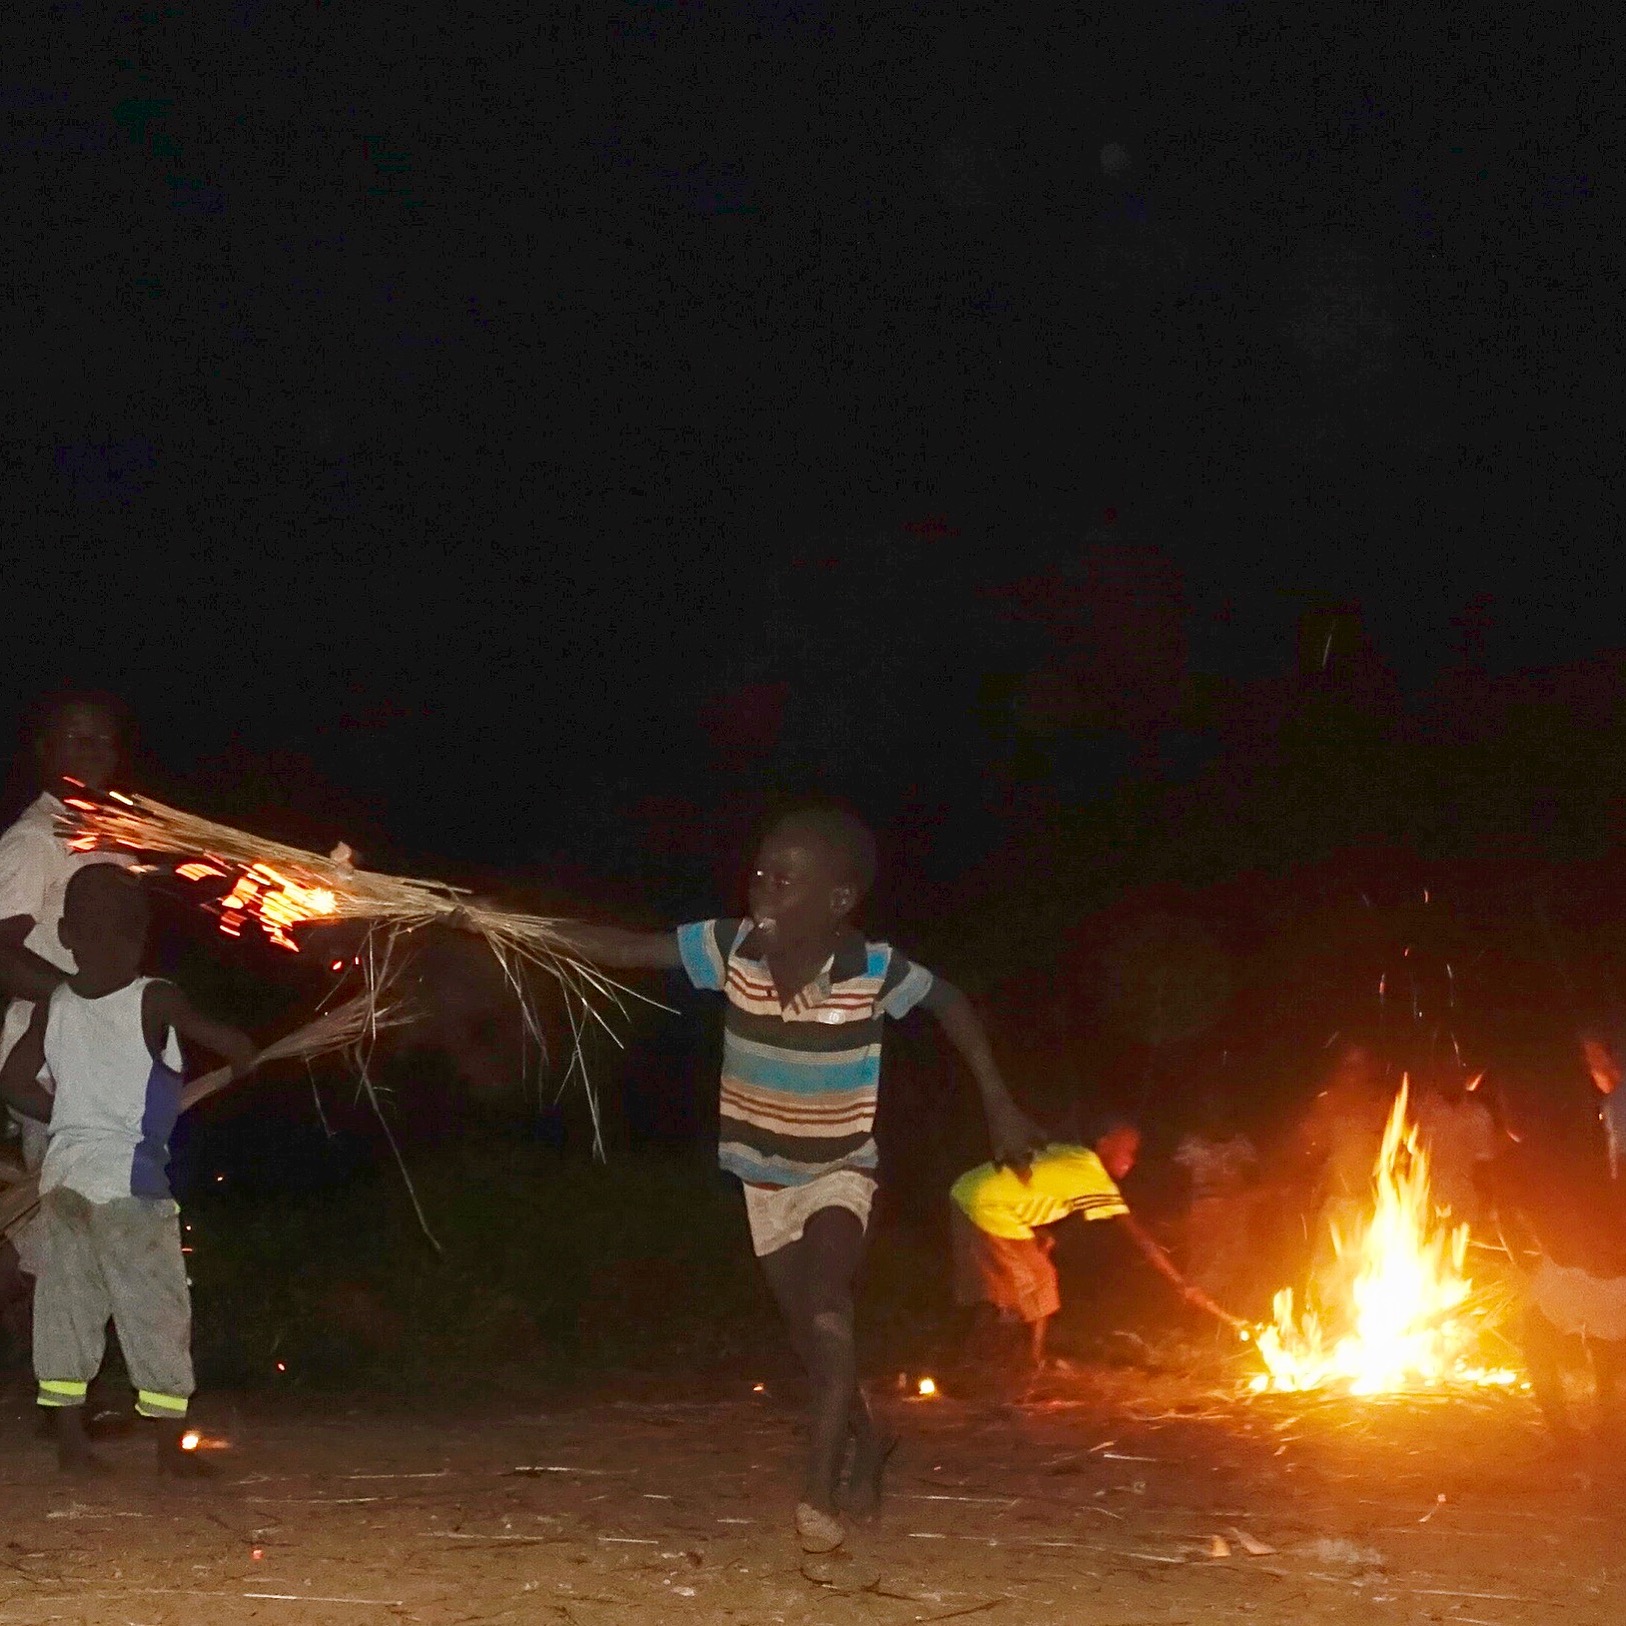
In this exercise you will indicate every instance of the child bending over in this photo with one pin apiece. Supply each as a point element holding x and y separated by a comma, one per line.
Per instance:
<point>1002,1263</point>
<point>807,997</point>
<point>110,1236</point>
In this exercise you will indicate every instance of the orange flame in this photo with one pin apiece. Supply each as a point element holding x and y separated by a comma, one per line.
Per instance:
<point>1406,1316</point>
<point>259,892</point>
<point>276,901</point>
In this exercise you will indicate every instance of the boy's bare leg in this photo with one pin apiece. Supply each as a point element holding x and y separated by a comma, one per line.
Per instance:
<point>812,1280</point>
<point>1546,1382</point>
<point>1606,1364</point>
<point>74,1456</point>
<point>1036,1338</point>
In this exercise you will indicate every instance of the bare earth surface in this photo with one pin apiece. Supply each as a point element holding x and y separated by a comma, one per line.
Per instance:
<point>1097,1507</point>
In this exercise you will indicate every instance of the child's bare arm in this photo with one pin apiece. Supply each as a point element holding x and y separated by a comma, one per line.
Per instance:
<point>623,950</point>
<point>1157,1257</point>
<point>19,1078</point>
<point>23,973</point>
<point>164,1006</point>
<point>1014,1136</point>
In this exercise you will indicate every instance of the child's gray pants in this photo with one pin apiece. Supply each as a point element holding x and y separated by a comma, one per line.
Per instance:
<point>121,1260</point>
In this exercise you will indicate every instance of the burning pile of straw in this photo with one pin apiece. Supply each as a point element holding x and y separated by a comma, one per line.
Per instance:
<point>1401,1313</point>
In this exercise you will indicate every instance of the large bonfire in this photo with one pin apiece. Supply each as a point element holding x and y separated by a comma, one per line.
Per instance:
<point>1398,1311</point>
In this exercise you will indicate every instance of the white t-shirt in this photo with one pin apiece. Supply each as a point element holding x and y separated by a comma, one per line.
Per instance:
<point>115,1105</point>
<point>36,865</point>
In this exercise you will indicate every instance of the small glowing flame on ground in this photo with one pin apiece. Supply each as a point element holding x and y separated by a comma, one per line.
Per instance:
<point>191,1440</point>
<point>1402,1313</point>
<point>926,1388</point>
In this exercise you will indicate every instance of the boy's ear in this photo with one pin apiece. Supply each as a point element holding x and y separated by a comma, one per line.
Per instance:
<point>843,899</point>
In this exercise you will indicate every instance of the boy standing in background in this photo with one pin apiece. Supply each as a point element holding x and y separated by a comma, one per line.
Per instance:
<point>109,1238</point>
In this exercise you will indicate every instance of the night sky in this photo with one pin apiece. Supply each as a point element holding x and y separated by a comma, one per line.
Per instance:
<point>508,432</point>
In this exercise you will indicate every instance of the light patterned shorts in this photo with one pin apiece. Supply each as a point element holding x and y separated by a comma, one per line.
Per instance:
<point>779,1215</point>
<point>1014,1274</point>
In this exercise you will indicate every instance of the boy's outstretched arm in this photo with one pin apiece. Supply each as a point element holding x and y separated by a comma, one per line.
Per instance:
<point>1157,1257</point>
<point>164,1006</point>
<point>1014,1136</point>
<point>623,950</point>
<point>19,1078</point>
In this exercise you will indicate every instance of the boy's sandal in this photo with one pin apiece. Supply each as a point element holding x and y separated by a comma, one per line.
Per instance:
<point>818,1532</point>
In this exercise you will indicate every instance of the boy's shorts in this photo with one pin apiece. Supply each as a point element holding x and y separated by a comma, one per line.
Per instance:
<point>779,1214</point>
<point>1013,1274</point>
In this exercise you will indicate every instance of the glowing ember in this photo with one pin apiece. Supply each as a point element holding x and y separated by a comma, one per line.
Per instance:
<point>259,892</point>
<point>926,1388</point>
<point>276,901</point>
<point>198,872</point>
<point>192,1440</point>
<point>1401,1313</point>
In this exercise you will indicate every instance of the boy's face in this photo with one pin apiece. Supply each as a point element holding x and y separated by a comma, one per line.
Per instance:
<point>798,894</point>
<point>81,742</point>
<point>104,925</point>
<point>1118,1151</point>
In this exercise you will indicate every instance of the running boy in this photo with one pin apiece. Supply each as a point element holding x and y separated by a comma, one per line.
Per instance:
<point>110,1240</point>
<point>807,997</point>
<point>1002,1263</point>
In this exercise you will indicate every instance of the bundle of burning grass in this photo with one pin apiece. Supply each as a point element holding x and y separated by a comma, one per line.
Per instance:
<point>244,878</point>
<point>349,1028</point>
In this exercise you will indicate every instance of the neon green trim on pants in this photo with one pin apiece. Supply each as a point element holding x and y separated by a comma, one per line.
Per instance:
<point>55,1393</point>
<point>151,1404</point>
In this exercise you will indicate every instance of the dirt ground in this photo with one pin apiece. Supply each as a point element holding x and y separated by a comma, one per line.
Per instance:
<point>1095,1507</point>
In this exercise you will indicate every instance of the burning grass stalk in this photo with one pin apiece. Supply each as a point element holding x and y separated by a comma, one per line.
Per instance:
<point>282,888</point>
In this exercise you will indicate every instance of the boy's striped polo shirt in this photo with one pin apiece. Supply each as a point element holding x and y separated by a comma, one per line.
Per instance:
<point>799,1081</point>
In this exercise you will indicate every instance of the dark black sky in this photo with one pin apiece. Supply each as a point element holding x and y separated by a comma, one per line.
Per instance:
<point>472,400</point>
